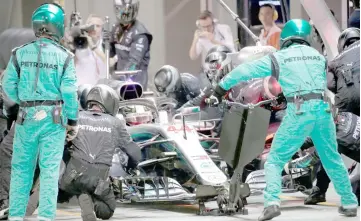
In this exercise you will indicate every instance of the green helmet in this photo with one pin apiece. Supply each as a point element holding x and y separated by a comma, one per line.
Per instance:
<point>49,19</point>
<point>295,31</point>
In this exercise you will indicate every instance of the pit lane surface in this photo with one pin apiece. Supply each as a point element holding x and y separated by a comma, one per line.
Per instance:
<point>292,209</point>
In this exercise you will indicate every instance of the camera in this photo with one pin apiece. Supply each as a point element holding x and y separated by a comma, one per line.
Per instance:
<point>80,40</point>
<point>77,31</point>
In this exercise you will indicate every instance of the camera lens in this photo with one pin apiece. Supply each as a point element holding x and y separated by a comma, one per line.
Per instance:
<point>80,42</point>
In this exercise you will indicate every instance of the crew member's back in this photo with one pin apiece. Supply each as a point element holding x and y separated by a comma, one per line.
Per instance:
<point>97,138</point>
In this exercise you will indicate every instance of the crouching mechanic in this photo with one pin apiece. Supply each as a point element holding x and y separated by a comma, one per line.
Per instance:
<point>348,140</point>
<point>86,173</point>
<point>344,72</point>
<point>301,72</point>
<point>182,87</point>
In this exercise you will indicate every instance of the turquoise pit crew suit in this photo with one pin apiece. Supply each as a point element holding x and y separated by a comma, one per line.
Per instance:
<point>301,72</point>
<point>41,78</point>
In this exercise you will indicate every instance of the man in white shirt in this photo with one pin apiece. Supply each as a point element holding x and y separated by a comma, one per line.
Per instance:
<point>208,35</point>
<point>90,62</point>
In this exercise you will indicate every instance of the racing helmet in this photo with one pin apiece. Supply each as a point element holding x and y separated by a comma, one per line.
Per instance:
<point>83,91</point>
<point>217,65</point>
<point>347,37</point>
<point>295,31</point>
<point>49,19</point>
<point>104,97</point>
<point>126,11</point>
<point>271,87</point>
<point>167,79</point>
<point>190,84</point>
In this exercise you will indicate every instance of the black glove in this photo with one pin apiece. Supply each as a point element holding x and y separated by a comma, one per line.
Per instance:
<point>71,130</point>
<point>132,168</point>
<point>216,96</point>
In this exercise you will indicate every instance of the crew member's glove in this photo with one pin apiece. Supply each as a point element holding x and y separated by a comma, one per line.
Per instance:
<point>130,67</point>
<point>216,96</point>
<point>71,132</point>
<point>134,172</point>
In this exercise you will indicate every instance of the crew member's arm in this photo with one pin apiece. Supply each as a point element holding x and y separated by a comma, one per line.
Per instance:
<point>127,144</point>
<point>331,78</point>
<point>69,94</point>
<point>198,100</point>
<point>260,68</point>
<point>331,82</point>
<point>138,48</point>
<point>10,81</point>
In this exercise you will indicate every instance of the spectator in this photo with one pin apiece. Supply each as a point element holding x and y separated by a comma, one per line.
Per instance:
<point>209,34</point>
<point>270,34</point>
<point>90,62</point>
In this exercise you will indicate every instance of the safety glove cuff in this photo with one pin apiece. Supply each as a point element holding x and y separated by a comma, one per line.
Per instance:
<point>72,122</point>
<point>219,91</point>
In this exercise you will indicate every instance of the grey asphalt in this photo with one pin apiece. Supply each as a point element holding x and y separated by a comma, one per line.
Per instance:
<point>292,209</point>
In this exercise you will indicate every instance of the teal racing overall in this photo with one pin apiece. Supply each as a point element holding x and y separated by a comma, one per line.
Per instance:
<point>301,72</point>
<point>39,77</point>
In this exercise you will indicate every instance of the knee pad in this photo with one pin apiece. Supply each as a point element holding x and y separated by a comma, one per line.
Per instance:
<point>104,209</point>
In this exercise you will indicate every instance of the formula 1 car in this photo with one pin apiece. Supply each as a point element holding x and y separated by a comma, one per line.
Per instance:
<point>174,163</point>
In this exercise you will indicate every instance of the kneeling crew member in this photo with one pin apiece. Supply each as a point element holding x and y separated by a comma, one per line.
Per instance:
<point>100,132</point>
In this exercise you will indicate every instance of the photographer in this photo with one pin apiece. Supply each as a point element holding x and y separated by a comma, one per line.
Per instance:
<point>209,34</point>
<point>86,43</point>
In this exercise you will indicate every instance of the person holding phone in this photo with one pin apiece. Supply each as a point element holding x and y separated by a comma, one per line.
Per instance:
<point>209,34</point>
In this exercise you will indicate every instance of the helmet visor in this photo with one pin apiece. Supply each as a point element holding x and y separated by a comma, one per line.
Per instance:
<point>126,12</point>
